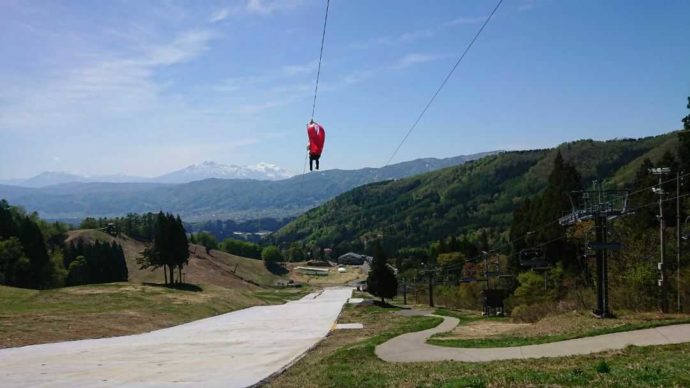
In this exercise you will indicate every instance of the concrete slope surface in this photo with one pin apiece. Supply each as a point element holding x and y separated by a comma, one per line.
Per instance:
<point>412,347</point>
<point>237,349</point>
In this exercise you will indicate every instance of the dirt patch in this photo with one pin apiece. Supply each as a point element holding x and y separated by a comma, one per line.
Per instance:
<point>483,329</point>
<point>333,278</point>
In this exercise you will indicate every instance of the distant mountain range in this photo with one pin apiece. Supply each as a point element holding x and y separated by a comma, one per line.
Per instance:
<point>195,172</point>
<point>207,199</point>
<point>207,170</point>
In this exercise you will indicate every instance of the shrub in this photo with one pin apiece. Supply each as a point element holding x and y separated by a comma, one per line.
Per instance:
<point>271,254</point>
<point>533,312</point>
<point>603,367</point>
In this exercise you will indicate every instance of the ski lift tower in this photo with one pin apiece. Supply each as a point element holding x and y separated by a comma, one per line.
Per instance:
<point>601,206</point>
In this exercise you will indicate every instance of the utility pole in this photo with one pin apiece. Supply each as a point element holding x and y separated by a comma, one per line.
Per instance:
<point>678,306</point>
<point>429,271</point>
<point>431,288</point>
<point>661,172</point>
<point>404,291</point>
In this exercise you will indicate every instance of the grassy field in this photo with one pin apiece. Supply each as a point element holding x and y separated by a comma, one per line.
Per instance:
<point>346,358</point>
<point>477,332</point>
<point>94,311</point>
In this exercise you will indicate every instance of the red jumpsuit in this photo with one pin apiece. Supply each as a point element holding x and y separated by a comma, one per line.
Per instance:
<point>317,137</point>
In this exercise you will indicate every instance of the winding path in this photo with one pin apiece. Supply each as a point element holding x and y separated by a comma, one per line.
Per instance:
<point>230,350</point>
<point>412,347</point>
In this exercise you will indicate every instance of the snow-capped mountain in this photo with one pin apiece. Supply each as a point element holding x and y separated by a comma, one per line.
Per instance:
<point>206,170</point>
<point>195,172</point>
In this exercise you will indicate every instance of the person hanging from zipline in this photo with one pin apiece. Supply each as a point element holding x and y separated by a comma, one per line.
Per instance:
<point>317,136</point>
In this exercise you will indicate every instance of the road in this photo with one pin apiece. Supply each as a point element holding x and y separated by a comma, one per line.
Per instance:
<point>237,349</point>
<point>412,347</point>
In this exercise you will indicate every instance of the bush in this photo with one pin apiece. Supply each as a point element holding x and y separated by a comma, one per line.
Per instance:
<point>271,254</point>
<point>207,240</point>
<point>241,248</point>
<point>603,367</point>
<point>463,296</point>
<point>533,312</point>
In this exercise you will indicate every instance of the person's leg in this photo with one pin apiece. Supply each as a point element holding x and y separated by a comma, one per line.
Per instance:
<point>311,162</point>
<point>317,161</point>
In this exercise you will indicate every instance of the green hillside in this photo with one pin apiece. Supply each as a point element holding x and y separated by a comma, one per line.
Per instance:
<point>415,211</point>
<point>215,267</point>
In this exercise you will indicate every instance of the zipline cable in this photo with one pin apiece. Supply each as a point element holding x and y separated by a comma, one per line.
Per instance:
<point>318,74</point>
<point>452,70</point>
<point>318,71</point>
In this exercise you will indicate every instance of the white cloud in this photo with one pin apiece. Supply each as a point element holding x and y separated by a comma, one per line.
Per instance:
<point>256,7</point>
<point>272,97</point>
<point>465,20</point>
<point>405,37</point>
<point>219,15</point>
<point>417,58</point>
<point>270,6</point>
<point>100,89</point>
<point>411,36</point>
<point>526,5</point>
<point>306,68</point>
<point>186,46</point>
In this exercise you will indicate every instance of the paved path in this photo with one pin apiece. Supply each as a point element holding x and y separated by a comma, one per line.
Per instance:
<point>231,350</point>
<point>412,347</point>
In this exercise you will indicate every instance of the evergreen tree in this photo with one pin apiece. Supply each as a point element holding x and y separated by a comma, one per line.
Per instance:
<point>34,246</point>
<point>170,248</point>
<point>381,281</point>
<point>527,228</point>
<point>684,143</point>
<point>643,216</point>
<point>181,246</point>
<point>14,265</point>
<point>8,227</point>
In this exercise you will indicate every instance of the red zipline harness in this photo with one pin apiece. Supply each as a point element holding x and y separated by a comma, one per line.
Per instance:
<point>317,137</point>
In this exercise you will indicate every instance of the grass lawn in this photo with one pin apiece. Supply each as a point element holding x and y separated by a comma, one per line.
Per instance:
<point>346,358</point>
<point>32,317</point>
<point>477,332</point>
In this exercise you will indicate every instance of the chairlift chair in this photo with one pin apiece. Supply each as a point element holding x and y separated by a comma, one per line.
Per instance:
<point>532,258</point>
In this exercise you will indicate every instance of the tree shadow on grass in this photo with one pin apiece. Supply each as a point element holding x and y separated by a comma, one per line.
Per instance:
<point>378,303</point>
<point>177,286</point>
<point>275,268</point>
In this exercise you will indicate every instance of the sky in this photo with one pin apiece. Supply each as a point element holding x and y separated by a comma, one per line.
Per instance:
<point>146,87</point>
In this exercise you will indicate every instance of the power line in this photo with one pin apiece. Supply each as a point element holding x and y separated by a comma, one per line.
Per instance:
<point>318,72</point>
<point>452,70</point>
<point>638,191</point>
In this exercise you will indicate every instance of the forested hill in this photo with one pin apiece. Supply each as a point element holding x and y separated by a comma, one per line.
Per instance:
<point>415,211</point>
<point>211,198</point>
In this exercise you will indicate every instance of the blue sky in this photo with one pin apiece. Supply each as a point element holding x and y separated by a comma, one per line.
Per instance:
<point>145,87</point>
